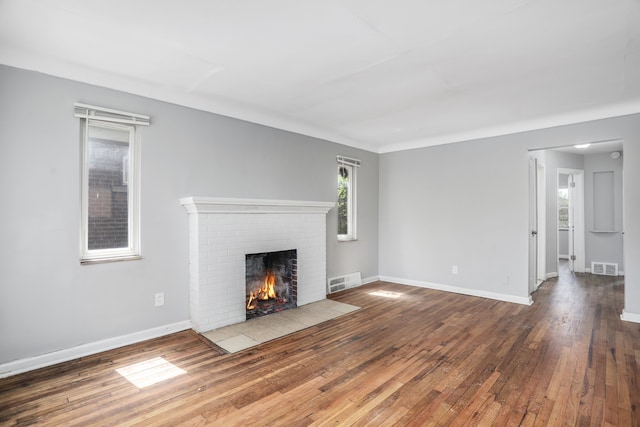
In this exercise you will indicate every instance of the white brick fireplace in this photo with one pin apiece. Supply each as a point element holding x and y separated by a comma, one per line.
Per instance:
<point>223,231</point>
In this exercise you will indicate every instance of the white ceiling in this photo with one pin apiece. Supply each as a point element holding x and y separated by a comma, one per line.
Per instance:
<point>373,74</point>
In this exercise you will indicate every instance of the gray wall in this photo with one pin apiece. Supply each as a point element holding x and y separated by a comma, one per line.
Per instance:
<point>48,301</point>
<point>604,247</point>
<point>466,204</point>
<point>460,204</point>
<point>563,242</point>
<point>631,214</point>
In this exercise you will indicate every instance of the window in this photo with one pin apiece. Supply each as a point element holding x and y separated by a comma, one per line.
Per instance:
<point>347,198</point>
<point>563,208</point>
<point>109,184</point>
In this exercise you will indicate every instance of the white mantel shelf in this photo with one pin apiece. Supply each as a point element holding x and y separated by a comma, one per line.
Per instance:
<point>204,205</point>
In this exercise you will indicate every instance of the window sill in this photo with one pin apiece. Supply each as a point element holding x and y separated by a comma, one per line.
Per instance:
<point>347,239</point>
<point>111,259</point>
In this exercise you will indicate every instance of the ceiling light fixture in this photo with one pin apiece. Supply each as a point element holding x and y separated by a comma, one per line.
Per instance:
<point>582,146</point>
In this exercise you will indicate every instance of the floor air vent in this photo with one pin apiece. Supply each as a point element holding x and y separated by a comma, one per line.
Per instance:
<point>604,268</point>
<point>341,283</point>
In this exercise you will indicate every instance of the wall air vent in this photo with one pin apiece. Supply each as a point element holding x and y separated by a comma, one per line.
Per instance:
<point>341,283</point>
<point>604,268</point>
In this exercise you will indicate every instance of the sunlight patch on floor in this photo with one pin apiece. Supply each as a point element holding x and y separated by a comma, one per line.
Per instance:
<point>386,294</point>
<point>150,372</point>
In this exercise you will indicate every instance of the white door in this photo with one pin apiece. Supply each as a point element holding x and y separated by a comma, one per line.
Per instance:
<point>576,220</point>
<point>533,224</point>
<point>572,227</point>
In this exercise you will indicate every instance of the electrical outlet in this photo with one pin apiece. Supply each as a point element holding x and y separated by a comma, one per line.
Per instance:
<point>159,299</point>
<point>454,269</point>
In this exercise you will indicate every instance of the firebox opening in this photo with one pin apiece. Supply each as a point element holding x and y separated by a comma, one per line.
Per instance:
<point>271,282</point>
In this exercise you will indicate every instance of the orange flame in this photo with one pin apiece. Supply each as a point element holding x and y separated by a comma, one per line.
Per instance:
<point>266,291</point>
<point>251,304</point>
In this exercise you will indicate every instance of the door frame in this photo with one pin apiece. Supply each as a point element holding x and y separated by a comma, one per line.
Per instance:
<point>541,213</point>
<point>537,220</point>
<point>532,237</point>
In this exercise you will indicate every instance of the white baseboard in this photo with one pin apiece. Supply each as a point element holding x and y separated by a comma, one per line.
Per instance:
<point>465,291</point>
<point>551,275</point>
<point>370,279</point>
<point>48,359</point>
<point>588,270</point>
<point>630,317</point>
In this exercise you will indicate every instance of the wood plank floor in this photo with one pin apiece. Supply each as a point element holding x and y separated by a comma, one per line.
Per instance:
<point>423,358</point>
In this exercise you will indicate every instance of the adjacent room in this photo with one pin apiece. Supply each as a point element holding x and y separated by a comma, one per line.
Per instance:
<point>312,213</point>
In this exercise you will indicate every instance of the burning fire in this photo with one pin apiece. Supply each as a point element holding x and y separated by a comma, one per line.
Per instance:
<point>266,291</point>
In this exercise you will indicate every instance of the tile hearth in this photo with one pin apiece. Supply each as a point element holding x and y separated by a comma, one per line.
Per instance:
<point>256,331</point>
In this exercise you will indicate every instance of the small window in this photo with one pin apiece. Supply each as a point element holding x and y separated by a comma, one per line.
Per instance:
<point>110,228</point>
<point>563,208</point>
<point>346,205</point>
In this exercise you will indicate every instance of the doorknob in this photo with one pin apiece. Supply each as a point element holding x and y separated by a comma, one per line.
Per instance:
<point>534,232</point>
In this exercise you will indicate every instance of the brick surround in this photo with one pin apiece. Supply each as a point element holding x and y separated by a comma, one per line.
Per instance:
<point>223,231</point>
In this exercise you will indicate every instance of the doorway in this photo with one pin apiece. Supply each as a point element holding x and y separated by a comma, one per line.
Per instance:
<point>584,165</point>
<point>570,224</point>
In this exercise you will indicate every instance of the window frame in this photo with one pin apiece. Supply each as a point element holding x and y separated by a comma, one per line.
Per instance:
<point>132,251</point>
<point>352,204</point>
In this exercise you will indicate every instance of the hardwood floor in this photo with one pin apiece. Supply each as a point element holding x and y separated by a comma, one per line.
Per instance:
<point>423,358</point>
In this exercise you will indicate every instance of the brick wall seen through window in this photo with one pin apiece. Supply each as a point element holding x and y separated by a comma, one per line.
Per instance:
<point>108,216</point>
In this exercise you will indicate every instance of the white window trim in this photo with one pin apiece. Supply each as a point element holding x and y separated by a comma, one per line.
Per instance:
<point>132,251</point>
<point>352,227</point>
<point>85,111</point>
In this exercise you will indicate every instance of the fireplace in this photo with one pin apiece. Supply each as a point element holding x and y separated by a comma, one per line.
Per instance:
<point>271,282</point>
<point>221,233</point>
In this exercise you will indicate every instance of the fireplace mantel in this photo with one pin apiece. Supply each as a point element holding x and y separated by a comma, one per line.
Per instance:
<point>223,231</point>
<point>199,205</point>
